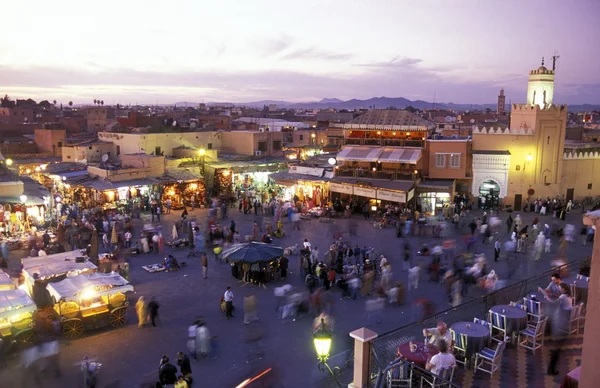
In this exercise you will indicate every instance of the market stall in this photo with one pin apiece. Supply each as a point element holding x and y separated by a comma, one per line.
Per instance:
<point>90,301</point>
<point>257,258</point>
<point>39,271</point>
<point>16,316</point>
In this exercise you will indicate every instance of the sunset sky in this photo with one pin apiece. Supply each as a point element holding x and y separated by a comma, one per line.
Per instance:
<point>238,51</point>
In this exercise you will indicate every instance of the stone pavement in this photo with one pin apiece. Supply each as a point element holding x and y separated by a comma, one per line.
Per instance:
<point>131,355</point>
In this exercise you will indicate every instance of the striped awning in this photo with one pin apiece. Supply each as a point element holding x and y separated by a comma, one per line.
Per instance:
<point>359,154</point>
<point>400,155</point>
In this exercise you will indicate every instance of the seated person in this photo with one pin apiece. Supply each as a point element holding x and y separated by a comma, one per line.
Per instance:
<point>266,239</point>
<point>171,263</point>
<point>442,360</point>
<point>553,289</point>
<point>136,250</point>
<point>438,334</point>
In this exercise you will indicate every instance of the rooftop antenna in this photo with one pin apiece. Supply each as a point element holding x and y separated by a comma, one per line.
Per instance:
<point>433,103</point>
<point>555,57</point>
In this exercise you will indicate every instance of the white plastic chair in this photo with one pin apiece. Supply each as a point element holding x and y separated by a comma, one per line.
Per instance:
<point>460,347</point>
<point>400,376</point>
<point>534,310</point>
<point>575,318</point>
<point>498,331</point>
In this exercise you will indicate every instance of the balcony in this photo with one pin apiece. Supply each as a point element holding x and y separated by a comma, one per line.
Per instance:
<point>385,174</point>
<point>385,142</point>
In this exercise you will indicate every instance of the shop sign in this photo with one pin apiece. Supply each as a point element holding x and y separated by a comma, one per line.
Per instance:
<point>365,192</point>
<point>338,188</point>
<point>411,193</point>
<point>312,171</point>
<point>392,196</point>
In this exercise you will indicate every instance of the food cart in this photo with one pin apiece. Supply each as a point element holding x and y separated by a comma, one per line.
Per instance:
<point>6,283</point>
<point>38,272</point>
<point>90,301</point>
<point>16,316</point>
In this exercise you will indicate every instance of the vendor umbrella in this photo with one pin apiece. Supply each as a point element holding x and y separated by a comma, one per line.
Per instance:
<point>174,233</point>
<point>113,238</point>
<point>94,247</point>
<point>252,252</point>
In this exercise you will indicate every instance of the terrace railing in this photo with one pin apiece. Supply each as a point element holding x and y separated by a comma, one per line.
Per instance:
<point>385,346</point>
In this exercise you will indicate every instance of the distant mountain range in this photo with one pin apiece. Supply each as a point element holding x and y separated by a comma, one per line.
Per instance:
<point>376,102</point>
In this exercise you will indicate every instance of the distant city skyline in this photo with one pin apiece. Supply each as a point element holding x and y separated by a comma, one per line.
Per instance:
<point>148,52</point>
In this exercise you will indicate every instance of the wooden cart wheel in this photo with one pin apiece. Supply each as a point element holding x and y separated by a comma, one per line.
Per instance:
<point>25,338</point>
<point>118,317</point>
<point>72,328</point>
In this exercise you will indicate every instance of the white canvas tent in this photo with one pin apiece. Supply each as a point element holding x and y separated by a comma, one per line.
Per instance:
<point>56,265</point>
<point>81,286</point>
<point>15,301</point>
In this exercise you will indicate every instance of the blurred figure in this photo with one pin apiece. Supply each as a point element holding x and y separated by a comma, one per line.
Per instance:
<point>250,311</point>
<point>374,309</point>
<point>141,309</point>
<point>559,324</point>
<point>324,319</point>
<point>203,339</point>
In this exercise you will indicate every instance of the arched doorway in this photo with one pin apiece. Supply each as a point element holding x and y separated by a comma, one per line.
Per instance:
<point>489,191</point>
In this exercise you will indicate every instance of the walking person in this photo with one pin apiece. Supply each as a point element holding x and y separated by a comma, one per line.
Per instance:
<point>153,307</point>
<point>250,311</point>
<point>184,363</point>
<point>191,342</point>
<point>203,339</point>
<point>228,298</point>
<point>283,265</point>
<point>141,309</point>
<point>497,250</point>
<point>204,262</point>
<point>167,373</point>
<point>169,204</point>
<point>128,239</point>
<point>560,324</point>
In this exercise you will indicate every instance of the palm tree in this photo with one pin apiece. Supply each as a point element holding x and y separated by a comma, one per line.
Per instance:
<point>70,103</point>
<point>54,102</point>
<point>102,102</point>
<point>95,101</point>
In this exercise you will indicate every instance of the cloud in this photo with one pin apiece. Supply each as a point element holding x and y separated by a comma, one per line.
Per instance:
<point>314,53</point>
<point>395,62</point>
<point>274,46</point>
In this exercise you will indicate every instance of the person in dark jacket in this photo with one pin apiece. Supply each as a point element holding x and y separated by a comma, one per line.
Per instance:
<point>283,266</point>
<point>153,307</point>
<point>184,363</point>
<point>167,375</point>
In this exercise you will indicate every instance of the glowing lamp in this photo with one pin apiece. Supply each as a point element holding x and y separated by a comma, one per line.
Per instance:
<point>43,166</point>
<point>407,133</point>
<point>201,151</point>
<point>332,161</point>
<point>88,293</point>
<point>23,198</point>
<point>529,158</point>
<point>171,192</point>
<point>416,172</point>
<point>9,162</point>
<point>64,178</point>
<point>374,208</point>
<point>374,169</point>
<point>379,132</point>
<point>313,135</point>
<point>226,173</point>
<point>38,169</point>
<point>322,341</point>
<point>28,171</point>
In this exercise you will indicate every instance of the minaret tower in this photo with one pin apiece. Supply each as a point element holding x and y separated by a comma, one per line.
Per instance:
<point>540,90</point>
<point>501,108</point>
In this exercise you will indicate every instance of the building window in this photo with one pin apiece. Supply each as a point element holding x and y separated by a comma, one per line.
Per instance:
<point>209,146</point>
<point>90,148</point>
<point>455,161</point>
<point>262,146</point>
<point>276,145</point>
<point>301,137</point>
<point>589,186</point>
<point>60,144</point>
<point>440,160</point>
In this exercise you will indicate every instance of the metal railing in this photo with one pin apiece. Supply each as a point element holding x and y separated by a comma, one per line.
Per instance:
<point>385,142</point>
<point>366,173</point>
<point>385,346</point>
<point>401,373</point>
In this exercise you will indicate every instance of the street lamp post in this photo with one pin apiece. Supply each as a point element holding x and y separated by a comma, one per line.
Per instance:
<point>322,340</point>
<point>202,153</point>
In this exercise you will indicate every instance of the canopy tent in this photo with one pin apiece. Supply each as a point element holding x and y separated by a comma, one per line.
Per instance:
<point>87,286</point>
<point>252,252</point>
<point>6,282</point>
<point>400,155</point>
<point>15,301</point>
<point>359,154</point>
<point>56,265</point>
